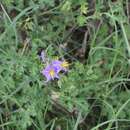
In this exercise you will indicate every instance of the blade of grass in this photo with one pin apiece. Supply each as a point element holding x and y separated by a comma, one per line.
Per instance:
<point>125,38</point>
<point>78,121</point>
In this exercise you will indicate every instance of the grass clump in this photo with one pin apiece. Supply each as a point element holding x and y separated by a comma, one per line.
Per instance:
<point>93,37</point>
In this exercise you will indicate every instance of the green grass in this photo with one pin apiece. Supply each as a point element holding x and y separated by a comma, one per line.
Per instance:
<point>94,94</point>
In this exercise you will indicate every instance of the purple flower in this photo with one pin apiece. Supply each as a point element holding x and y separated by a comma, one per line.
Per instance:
<point>57,65</point>
<point>50,73</point>
<point>60,65</point>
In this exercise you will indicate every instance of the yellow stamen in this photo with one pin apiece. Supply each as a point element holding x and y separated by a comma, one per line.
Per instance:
<point>65,64</point>
<point>52,73</point>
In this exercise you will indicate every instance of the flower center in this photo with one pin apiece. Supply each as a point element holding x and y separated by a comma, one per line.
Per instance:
<point>65,64</point>
<point>52,73</point>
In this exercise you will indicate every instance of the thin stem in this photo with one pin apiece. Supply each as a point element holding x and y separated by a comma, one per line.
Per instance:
<point>125,38</point>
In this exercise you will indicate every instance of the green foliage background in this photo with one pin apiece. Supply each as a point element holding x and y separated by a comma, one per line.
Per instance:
<point>94,94</point>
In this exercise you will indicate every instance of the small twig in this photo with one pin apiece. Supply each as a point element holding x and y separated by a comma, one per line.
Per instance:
<point>6,13</point>
<point>84,43</point>
<point>25,46</point>
<point>60,107</point>
<point>82,51</point>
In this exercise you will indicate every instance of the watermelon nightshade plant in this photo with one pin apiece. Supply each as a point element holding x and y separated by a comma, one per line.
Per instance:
<point>52,70</point>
